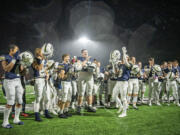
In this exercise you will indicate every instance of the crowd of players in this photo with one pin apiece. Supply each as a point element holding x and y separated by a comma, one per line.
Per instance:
<point>81,82</point>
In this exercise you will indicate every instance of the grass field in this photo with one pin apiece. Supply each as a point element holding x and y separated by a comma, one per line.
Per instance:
<point>155,120</point>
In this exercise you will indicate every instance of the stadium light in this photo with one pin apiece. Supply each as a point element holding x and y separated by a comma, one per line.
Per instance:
<point>83,40</point>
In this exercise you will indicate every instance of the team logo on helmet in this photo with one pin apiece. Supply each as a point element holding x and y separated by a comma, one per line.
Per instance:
<point>26,58</point>
<point>47,50</point>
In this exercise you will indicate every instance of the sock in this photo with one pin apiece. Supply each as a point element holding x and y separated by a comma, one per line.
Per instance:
<point>128,99</point>
<point>61,111</point>
<point>135,99</point>
<point>46,112</point>
<point>66,109</point>
<point>37,116</point>
<point>118,101</point>
<point>36,107</point>
<point>17,113</point>
<point>73,98</point>
<point>124,106</point>
<point>109,98</point>
<point>6,116</point>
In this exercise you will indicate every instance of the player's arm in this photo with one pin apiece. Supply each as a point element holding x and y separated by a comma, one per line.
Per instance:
<point>8,67</point>
<point>125,57</point>
<point>62,75</point>
<point>37,66</point>
<point>85,61</point>
<point>177,73</point>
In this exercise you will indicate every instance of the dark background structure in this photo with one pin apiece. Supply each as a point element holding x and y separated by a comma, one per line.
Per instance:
<point>146,27</point>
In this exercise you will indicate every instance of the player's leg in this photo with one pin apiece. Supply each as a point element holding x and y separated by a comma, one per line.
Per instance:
<point>74,93</point>
<point>123,90</point>
<point>65,89</point>
<point>140,91</point>
<point>19,94</point>
<point>47,94</point>
<point>81,92</point>
<point>38,88</point>
<point>116,95</point>
<point>101,91</point>
<point>150,91</point>
<point>109,92</point>
<point>10,94</point>
<point>135,93</point>
<point>130,89</point>
<point>143,91</point>
<point>168,88</point>
<point>175,93</point>
<point>69,98</point>
<point>90,84</point>
<point>157,92</point>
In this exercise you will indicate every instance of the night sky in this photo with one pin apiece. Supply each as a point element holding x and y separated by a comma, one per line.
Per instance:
<point>148,28</point>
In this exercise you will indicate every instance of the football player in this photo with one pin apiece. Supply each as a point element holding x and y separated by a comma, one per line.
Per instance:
<point>12,85</point>
<point>158,79</point>
<point>148,71</point>
<point>41,77</point>
<point>85,81</point>
<point>171,75</point>
<point>122,83</point>
<point>65,77</point>
<point>133,83</point>
<point>163,83</point>
<point>74,83</point>
<point>98,77</point>
<point>142,82</point>
<point>176,65</point>
<point>112,80</point>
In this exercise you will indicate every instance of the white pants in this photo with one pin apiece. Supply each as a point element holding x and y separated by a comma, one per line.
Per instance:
<point>163,89</point>
<point>133,86</point>
<point>66,91</point>
<point>74,88</point>
<point>53,95</point>
<point>121,88</point>
<point>142,89</point>
<point>178,87</point>
<point>42,93</point>
<point>156,91</point>
<point>172,85</point>
<point>96,88</point>
<point>133,89</point>
<point>85,84</point>
<point>14,91</point>
<point>142,86</point>
<point>111,86</point>
<point>112,89</point>
<point>151,86</point>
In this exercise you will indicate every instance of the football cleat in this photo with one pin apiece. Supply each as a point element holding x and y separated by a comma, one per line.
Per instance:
<point>37,117</point>
<point>91,109</point>
<point>158,104</point>
<point>101,103</point>
<point>135,107</point>
<point>78,110</point>
<point>122,115</point>
<point>19,123</point>
<point>24,114</point>
<point>7,126</point>
<point>63,116</point>
<point>150,104</point>
<point>68,114</point>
